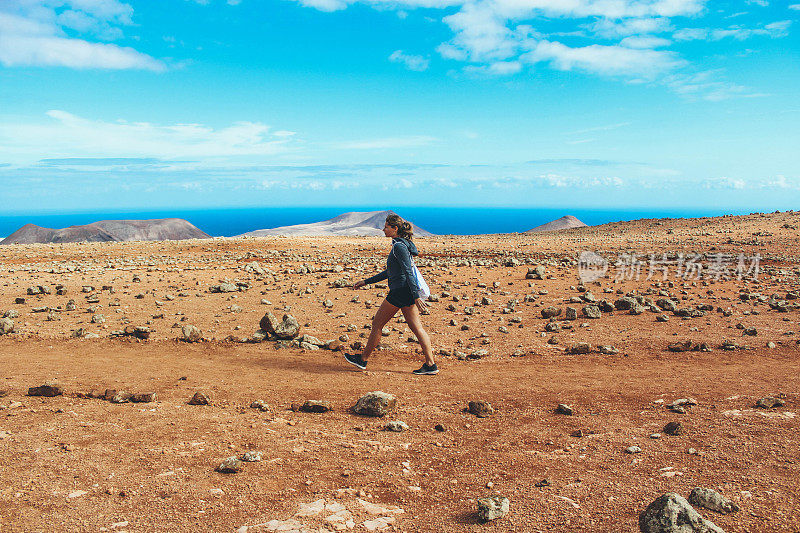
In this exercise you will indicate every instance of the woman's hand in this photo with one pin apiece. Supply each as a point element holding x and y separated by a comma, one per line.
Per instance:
<point>358,284</point>
<point>422,306</point>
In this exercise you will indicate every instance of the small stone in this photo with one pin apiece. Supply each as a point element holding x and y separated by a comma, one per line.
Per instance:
<point>396,426</point>
<point>439,427</point>
<point>231,465</point>
<point>121,397</point>
<point>673,428</point>
<point>492,507</point>
<point>564,409</point>
<point>200,398</point>
<point>633,449</point>
<point>591,311</point>
<point>251,456</point>
<point>315,406</point>
<point>48,389</point>
<point>769,402</point>
<point>550,312</point>
<point>375,404</point>
<point>143,397</point>
<point>6,326</point>
<point>480,408</point>
<point>260,405</point>
<point>191,333</point>
<point>683,346</point>
<point>580,348</point>
<point>712,500</point>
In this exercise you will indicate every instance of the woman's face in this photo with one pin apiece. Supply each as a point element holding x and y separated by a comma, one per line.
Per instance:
<point>389,231</point>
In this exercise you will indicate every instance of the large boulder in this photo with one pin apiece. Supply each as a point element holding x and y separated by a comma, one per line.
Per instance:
<point>287,328</point>
<point>671,513</point>
<point>375,404</point>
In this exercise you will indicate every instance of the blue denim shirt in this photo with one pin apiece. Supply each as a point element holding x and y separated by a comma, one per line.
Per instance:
<point>399,268</point>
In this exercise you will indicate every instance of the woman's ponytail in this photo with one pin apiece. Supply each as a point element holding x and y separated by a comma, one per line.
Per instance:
<point>404,228</point>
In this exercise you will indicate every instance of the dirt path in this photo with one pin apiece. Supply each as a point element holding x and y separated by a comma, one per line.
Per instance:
<point>152,465</point>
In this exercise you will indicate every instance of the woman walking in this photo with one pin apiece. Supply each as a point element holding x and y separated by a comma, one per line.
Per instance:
<point>403,295</point>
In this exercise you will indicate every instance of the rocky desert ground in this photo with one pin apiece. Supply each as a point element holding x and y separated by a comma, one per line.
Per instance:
<point>199,385</point>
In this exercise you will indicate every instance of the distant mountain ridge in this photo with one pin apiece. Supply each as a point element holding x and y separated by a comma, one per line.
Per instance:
<point>565,222</point>
<point>164,229</point>
<point>354,223</point>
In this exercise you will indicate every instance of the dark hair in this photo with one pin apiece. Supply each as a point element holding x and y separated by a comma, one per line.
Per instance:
<point>404,228</point>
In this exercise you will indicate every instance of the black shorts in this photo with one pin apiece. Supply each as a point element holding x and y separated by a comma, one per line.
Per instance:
<point>401,297</point>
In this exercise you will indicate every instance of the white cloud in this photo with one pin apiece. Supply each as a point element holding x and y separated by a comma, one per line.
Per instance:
<point>774,30</point>
<point>68,135</point>
<point>32,33</point>
<point>412,62</point>
<point>644,41</point>
<point>795,7</point>
<point>606,60</point>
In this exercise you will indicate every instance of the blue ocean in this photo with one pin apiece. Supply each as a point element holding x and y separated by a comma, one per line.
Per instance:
<point>227,222</point>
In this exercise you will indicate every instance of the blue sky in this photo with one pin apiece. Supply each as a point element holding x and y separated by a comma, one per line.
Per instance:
<point>532,103</point>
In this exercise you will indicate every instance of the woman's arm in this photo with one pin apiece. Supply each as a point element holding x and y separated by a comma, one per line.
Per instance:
<point>376,278</point>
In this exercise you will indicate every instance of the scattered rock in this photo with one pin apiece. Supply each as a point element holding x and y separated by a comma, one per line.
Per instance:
<point>671,513</point>
<point>6,326</point>
<point>260,405</point>
<point>580,348</point>
<point>712,500</point>
<point>769,402</point>
<point>121,397</point>
<point>251,457</point>
<point>231,465</point>
<point>375,404</point>
<point>633,449</point>
<point>480,408</point>
<point>396,426</point>
<point>200,398</point>
<point>591,311</point>
<point>492,507</point>
<point>191,333</point>
<point>48,389</point>
<point>315,406</point>
<point>673,428</point>
<point>287,328</point>
<point>564,409</point>
<point>683,346</point>
<point>143,397</point>
<point>550,312</point>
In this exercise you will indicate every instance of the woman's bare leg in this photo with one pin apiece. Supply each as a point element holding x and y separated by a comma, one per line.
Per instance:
<point>412,319</point>
<point>384,313</point>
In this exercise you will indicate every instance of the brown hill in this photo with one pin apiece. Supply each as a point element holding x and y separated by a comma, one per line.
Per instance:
<point>165,229</point>
<point>565,222</point>
<point>355,223</point>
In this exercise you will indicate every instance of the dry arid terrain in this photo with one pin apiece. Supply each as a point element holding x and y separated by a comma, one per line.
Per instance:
<point>79,462</point>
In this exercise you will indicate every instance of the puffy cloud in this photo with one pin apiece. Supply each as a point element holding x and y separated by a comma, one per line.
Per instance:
<point>607,60</point>
<point>33,34</point>
<point>774,30</point>
<point>68,135</point>
<point>412,62</point>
